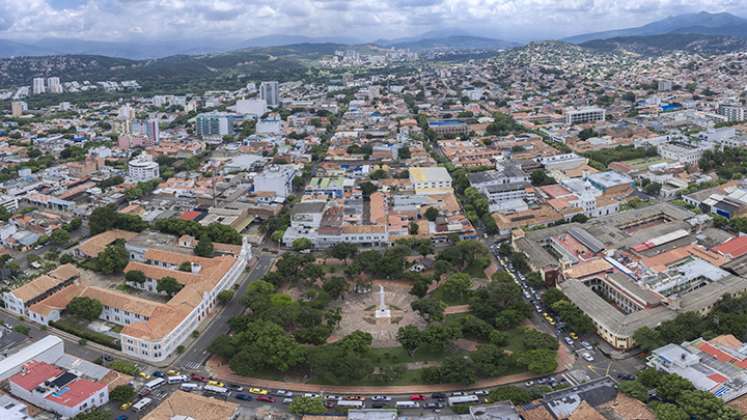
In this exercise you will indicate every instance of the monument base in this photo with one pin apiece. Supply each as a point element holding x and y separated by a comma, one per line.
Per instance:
<point>383,313</point>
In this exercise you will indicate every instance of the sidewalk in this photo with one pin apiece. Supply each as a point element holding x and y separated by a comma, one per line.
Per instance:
<point>220,371</point>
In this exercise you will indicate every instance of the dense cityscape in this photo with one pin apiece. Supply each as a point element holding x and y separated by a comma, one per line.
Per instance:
<point>455,227</point>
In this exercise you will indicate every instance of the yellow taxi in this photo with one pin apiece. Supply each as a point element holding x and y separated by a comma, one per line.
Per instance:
<point>172,372</point>
<point>573,335</point>
<point>215,383</point>
<point>125,406</point>
<point>144,375</point>
<point>259,391</point>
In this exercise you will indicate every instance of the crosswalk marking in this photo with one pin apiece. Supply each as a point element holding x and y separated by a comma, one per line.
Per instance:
<point>192,365</point>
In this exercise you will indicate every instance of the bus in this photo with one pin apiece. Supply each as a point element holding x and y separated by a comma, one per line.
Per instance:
<point>350,403</point>
<point>177,379</point>
<point>218,390</point>
<point>463,399</point>
<point>407,404</point>
<point>189,387</point>
<point>140,405</point>
<point>155,383</point>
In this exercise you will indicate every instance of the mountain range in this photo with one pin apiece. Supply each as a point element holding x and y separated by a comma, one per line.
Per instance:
<point>146,49</point>
<point>704,23</point>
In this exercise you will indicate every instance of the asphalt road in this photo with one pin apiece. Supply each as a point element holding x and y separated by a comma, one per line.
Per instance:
<point>194,358</point>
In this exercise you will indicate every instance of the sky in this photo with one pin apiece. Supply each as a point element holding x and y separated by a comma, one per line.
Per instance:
<point>365,20</point>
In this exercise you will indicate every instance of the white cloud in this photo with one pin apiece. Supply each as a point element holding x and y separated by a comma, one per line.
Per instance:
<point>364,19</point>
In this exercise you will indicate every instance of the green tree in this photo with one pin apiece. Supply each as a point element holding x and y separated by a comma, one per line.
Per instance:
<point>204,247</point>
<point>302,244</point>
<point>168,285</point>
<point>540,361</point>
<point>666,411</point>
<point>437,336</point>
<point>335,286</point>
<point>265,345</point>
<point>135,276</point>
<point>59,237</point>
<point>515,394</point>
<point>122,394</point>
<point>648,339</point>
<point>413,228</point>
<point>431,214</point>
<point>428,308</point>
<point>634,389</point>
<point>301,406</point>
<point>671,386</point>
<point>225,296</point>
<point>224,346</point>
<point>277,236</point>
<point>706,406</point>
<point>343,251</point>
<point>95,414</point>
<point>113,259</point>
<point>456,288</point>
<point>85,308</point>
<point>535,339</point>
<point>410,338</point>
<point>551,296</point>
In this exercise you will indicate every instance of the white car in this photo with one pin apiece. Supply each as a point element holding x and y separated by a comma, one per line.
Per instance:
<point>587,345</point>
<point>568,340</point>
<point>587,356</point>
<point>381,398</point>
<point>481,392</point>
<point>311,395</point>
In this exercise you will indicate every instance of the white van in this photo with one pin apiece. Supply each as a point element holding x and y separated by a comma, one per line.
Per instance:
<point>407,404</point>
<point>140,405</point>
<point>189,387</point>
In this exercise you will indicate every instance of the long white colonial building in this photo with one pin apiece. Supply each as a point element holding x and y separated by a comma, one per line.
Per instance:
<point>151,330</point>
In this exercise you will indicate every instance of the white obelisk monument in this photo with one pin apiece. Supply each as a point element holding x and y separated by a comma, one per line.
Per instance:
<point>383,311</point>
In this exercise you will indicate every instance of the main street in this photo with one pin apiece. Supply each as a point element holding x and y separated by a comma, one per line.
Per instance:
<point>197,353</point>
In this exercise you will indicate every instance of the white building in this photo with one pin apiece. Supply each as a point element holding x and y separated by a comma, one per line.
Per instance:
<point>57,390</point>
<point>53,85</point>
<point>430,180</point>
<point>270,92</point>
<point>683,152</point>
<point>276,179</point>
<point>38,86</point>
<point>256,107</point>
<point>733,113</point>
<point>273,126</point>
<point>584,115</point>
<point>143,168</point>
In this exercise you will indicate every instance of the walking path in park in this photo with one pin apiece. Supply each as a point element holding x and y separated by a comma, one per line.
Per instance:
<point>220,371</point>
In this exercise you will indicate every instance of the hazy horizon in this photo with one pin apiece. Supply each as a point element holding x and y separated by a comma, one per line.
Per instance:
<point>361,20</point>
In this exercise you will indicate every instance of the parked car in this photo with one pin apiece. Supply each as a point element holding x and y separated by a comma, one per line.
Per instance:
<point>311,395</point>
<point>266,398</point>
<point>159,374</point>
<point>259,391</point>
<point>434,405</point>
<point>587,356</point>
<point>481,392</point>
<point>287,400</point>
<point>568,340</point>
<point>283,393</point>
<point>122,417</point>
<point>234,387</point>
<point>587,345</point>
<point>216,383</point>
<point>626,376</point>
<point>381,398</point>
<point>438,396</point>
<point>243,396</point>
<point>417,397</point>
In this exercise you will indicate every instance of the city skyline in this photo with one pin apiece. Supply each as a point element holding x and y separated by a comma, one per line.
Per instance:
<point>346,21</point>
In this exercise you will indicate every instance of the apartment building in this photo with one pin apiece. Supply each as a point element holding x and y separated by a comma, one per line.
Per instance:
<point>584,115</point>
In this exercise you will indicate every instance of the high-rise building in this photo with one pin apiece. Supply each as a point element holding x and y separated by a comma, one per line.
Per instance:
<point>270,92</point>
<point>17,108</point>
<point>39,86</point>
<point>733,113</point>
<point>148,129</point>
<point>215,124</point>
<point>53,85</point>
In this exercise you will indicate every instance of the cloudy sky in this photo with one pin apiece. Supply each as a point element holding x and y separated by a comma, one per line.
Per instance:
<point>116,20</point>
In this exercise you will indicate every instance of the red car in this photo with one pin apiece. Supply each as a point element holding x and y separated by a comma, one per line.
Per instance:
<point>266,398</point>
<point>417,397</point>
<point>199,378</point>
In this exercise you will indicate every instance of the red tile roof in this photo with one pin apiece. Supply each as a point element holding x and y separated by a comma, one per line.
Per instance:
<point>35,373</point>
<point>189,215</point>
<point>735,247</point>
<point>74,393</point>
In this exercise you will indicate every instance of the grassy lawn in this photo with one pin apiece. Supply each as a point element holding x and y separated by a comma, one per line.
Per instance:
<point>80,328</point>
